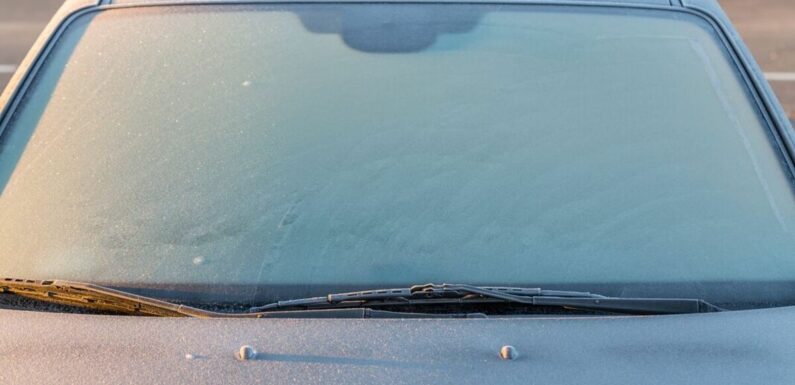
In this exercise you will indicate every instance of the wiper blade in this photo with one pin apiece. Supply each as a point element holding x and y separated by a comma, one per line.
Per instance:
<point>460,293</point>
<point>91,296</point>
<point>419,292</point>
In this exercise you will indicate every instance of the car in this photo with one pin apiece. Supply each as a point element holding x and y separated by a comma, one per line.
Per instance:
<point>390,192</point>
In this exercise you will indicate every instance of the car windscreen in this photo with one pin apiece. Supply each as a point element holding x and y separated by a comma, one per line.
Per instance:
<point>290,148</point>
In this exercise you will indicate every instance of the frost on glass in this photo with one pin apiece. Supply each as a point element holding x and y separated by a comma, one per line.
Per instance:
<point>240,145</point>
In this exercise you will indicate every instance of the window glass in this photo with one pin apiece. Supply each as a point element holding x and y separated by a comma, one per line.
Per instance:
<point>372,145</point>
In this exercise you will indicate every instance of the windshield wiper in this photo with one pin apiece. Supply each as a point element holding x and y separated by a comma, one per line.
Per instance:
<point>430,294</point>
<point>87,295</point>
<point>97,297</point>
<point>350,305</point>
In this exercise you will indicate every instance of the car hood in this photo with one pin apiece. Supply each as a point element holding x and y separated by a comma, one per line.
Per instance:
<point>754,347</point>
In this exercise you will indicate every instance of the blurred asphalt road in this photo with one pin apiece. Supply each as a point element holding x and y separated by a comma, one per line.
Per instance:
<point>768,27</point>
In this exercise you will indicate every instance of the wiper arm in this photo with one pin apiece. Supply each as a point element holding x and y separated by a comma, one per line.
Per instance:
<point>459,293</point>
<point>87,295</point>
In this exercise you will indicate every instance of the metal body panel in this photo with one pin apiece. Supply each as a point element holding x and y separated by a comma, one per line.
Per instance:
<point>744,347</point>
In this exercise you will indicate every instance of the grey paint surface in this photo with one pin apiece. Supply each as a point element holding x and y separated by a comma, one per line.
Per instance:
<point>748,347</point>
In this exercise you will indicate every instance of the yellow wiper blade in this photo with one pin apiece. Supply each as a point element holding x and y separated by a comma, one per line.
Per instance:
<point>91,296</point>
